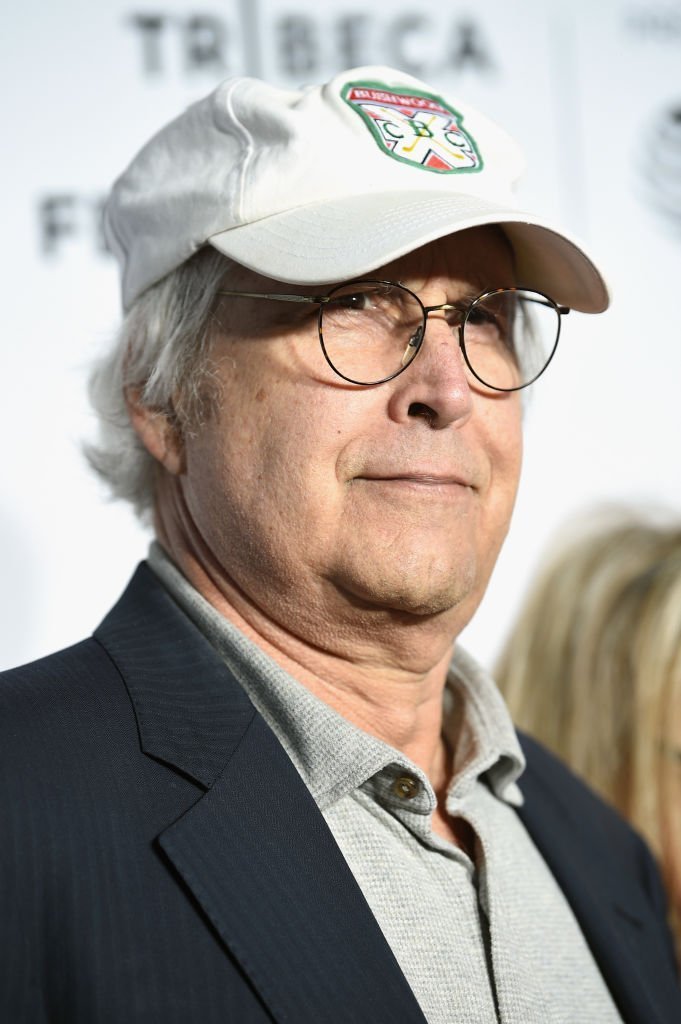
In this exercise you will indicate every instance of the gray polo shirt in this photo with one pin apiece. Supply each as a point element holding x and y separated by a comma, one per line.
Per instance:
<point>480,941</point>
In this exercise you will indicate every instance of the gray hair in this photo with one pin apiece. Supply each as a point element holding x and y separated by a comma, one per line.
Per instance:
<point>162,349</point>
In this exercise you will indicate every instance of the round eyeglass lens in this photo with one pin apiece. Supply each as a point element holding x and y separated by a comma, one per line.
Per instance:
<point>370,330</point>
<point>509,337</point>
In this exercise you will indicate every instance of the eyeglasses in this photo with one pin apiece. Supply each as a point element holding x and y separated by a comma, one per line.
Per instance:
<point>371,331</point>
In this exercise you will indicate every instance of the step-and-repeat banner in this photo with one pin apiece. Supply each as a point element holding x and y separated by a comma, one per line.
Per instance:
<point>591,90</point>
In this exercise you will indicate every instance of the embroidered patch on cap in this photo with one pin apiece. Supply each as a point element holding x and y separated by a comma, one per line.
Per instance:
<point>415,127</point>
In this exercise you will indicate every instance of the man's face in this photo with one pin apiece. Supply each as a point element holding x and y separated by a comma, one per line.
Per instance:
<point>311,493</point>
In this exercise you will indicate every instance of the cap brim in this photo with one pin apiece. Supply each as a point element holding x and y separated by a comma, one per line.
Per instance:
<point>322,243</point>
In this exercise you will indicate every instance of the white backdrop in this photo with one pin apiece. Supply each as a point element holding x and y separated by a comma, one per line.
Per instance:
<point>592,91</point>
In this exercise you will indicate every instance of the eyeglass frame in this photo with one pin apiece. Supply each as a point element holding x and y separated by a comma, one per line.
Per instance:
<point>322,300</point>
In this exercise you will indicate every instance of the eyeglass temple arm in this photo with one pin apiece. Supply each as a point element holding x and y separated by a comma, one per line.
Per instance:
<point>280,296</point>
<point>446,306</point>
<point>563,310</point>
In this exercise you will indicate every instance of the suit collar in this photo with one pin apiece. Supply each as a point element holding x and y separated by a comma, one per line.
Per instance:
<point>191,713</point>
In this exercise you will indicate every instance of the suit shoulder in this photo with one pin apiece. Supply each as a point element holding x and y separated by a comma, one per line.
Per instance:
<point>549,772</point>
<point>543,762</point>
<point>574,802</point>
<point>55,671</point>
<point>60,695</point>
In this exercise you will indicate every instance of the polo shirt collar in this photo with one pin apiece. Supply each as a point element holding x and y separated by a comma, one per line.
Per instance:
<point>335,757</point>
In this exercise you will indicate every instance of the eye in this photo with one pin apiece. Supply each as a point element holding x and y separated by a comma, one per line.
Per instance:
<point>481,316</point>
<point>353,300</point>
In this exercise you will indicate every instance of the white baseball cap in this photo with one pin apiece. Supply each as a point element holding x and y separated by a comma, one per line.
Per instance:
<point>328,183</point>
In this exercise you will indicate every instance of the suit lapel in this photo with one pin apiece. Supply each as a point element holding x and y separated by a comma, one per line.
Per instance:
<point>262,862</point>
<point>254,850</point>
<point>613,916</point>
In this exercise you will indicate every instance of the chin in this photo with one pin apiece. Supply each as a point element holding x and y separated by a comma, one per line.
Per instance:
<point>405,592</point>
<point>428,605</point>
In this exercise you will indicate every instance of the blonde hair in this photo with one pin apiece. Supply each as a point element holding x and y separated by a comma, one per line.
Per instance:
<point>593,670</point>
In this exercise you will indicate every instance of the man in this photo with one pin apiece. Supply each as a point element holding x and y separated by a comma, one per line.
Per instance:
<point>269,789</point>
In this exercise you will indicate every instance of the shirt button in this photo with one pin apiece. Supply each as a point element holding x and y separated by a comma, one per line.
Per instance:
<point>405,787</point>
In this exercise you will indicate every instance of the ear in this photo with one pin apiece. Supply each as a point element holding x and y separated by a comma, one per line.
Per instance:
<point>158,431</point>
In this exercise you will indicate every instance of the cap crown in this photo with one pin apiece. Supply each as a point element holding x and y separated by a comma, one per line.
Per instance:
<point>250,151</point>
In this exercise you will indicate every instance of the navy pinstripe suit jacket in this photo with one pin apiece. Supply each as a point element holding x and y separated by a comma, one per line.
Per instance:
<point>162,862</point>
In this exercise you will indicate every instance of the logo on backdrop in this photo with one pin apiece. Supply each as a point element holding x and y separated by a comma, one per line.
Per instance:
<point>654,23</point>
<point>302,46</point>
<point>66,219</point>
<point>414,127</point>
<point>662,182</point>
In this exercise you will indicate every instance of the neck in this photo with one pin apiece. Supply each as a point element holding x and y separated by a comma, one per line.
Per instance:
<point>399,704</point>
<point>395,698</point>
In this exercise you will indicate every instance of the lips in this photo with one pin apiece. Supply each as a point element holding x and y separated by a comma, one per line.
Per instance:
<point>448,467</point>
<point>425,478</point>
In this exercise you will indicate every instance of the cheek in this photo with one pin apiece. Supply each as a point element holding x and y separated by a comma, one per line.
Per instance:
<point>503,447</point>
<point>504,444</point>
<point>515,454</point>
<point>272,455</point>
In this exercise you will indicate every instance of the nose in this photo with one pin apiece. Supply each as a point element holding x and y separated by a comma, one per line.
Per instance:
<point>435,386</point>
